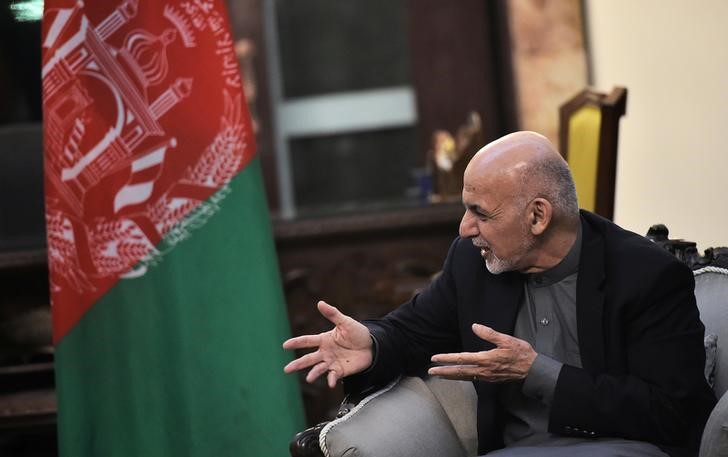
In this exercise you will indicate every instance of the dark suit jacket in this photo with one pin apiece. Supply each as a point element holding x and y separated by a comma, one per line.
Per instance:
<point>640,338</point>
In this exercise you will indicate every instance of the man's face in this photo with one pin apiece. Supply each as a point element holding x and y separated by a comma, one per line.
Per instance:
<point>495,220</point>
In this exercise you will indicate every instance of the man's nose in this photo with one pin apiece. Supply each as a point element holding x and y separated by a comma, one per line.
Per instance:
<point>468,227</point>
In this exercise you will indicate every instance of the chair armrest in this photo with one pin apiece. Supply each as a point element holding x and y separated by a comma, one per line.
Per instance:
<point>410,417</point>
<point>715,436</point>
<point>404,419</point>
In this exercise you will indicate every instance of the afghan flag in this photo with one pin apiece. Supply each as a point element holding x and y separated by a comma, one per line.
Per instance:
<point>168,312</point>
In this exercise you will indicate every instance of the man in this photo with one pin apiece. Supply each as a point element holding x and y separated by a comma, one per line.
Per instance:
<point>580,338</point>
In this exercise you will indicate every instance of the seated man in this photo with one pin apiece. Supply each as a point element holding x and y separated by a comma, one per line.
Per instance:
<point>581,338</point>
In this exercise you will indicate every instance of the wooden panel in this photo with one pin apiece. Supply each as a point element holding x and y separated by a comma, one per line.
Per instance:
<point>460,63</point>
<point>27,385</point>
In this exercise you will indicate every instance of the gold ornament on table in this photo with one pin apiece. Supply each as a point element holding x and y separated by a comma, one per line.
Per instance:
<point>450,155</point>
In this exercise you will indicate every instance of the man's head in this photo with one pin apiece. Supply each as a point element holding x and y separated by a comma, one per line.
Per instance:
<point>520,204</point>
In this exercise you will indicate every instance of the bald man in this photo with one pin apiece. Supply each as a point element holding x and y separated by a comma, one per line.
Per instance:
<point>580,338</point>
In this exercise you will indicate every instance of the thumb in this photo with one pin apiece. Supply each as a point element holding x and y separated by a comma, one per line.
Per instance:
<point>334,316</point>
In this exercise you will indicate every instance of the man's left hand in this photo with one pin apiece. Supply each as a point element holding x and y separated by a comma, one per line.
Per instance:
<point>509,361</point>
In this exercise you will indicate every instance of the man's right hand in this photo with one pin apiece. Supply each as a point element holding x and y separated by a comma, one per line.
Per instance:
<point>342,351</point>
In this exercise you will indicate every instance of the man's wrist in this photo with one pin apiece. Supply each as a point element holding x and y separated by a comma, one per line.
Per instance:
<point>540,382</point>
<point>375,348</point>
<point>375,353</point>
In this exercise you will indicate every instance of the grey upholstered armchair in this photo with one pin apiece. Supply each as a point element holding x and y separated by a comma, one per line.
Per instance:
<point>414,416</point>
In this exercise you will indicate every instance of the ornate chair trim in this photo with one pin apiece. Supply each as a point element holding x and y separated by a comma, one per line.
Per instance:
<point>360,405</point>
<point>702,270</point>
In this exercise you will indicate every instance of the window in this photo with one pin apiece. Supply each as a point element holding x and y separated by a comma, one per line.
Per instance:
<point>357,89</point>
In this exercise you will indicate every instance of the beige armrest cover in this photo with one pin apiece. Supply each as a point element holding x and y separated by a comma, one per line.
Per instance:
<point>405,419</point>
<point>715,435</point>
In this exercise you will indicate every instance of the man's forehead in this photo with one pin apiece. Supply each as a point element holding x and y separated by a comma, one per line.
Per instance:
<point>474,198</point>
<point>490,193</point>
<point>487,181</point>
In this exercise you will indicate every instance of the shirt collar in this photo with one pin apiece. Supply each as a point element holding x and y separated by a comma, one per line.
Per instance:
<point>567,267</point>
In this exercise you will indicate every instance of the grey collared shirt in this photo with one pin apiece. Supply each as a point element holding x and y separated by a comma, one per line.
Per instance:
<point>547,320</point>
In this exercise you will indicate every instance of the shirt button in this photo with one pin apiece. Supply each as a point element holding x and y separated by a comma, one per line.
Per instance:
<point>545,321</point>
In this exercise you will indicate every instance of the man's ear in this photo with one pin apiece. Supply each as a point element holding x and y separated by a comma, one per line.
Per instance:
<point>539,213</point>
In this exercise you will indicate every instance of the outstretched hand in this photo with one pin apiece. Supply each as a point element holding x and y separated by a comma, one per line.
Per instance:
<point>510,360</point>
<point>340,352</point>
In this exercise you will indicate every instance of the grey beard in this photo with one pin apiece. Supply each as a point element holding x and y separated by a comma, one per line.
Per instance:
<point>496,265</point>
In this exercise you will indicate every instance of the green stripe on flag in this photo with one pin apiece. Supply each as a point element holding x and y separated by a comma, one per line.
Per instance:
<point>187,359</point>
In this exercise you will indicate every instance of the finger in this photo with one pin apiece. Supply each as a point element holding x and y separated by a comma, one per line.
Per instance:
<point>458,358</point>
<point>318,370</point>
<point>488,334</point>
<point>303,362</point>
<point>331,313</point>
<point>454,371</point>
<point>302,342</point>
<point>332,377</point>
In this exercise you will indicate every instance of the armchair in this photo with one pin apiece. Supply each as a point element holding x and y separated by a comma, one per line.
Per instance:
<point>429,416</point>
<point>711,292</point>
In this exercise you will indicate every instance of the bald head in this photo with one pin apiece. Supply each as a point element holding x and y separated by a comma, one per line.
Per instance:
<point>512,155</point>
<point>526,165</point>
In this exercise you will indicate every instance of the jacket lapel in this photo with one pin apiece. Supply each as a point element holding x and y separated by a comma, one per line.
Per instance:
<point>590,299</point>
<point>503,295</point>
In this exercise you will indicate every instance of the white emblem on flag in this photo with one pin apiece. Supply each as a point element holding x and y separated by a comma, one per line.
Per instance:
<point>144,171</point>
<point>115,87</point>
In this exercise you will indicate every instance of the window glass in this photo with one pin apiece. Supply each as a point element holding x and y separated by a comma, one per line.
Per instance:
<point>354,172</point>
<point>337,46</point>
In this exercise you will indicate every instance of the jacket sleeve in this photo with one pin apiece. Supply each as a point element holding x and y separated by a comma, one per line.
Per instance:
<point>661,395</point>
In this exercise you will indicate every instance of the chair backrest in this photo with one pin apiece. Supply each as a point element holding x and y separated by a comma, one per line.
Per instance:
<point>711,293</point>
<point>588,137</point>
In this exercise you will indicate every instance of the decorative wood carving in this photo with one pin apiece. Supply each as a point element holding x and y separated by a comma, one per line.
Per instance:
<point>687,251</point>
<point>449,156</point>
